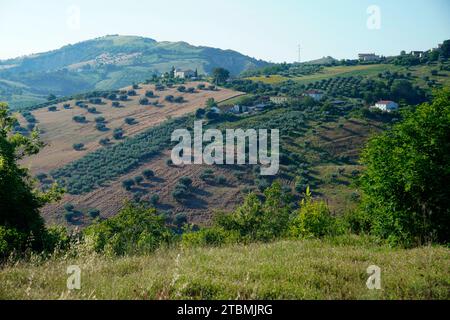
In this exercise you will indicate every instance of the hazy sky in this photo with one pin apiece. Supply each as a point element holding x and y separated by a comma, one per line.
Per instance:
<point>265,29</point>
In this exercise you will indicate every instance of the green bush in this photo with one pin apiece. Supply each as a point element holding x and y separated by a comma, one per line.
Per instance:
<point>259,221</point>
<point>312,219</point>
<point>214,236</point>
<point>134,230</point>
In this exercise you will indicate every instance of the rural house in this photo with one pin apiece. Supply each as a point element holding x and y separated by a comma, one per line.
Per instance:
<point>278,100</point>
<point>386,105</point>
<point>184,74</point>
<point>368,57</point>
<point>315,94</point>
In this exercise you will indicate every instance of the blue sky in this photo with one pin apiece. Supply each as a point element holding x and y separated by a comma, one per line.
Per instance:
<point>265,29</point>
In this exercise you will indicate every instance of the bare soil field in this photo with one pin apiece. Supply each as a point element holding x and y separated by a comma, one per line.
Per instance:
<point>206,196</point>
<point>60,132</point>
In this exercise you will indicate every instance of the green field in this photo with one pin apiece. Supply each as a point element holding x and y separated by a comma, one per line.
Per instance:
<point>308,269</point>
<point>371,70</point>
<point>328,72</point>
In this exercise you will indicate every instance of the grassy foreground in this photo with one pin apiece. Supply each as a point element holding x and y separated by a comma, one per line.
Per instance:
<point>307,269</point>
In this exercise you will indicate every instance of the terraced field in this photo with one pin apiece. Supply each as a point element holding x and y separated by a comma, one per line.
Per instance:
<point>60,132</point>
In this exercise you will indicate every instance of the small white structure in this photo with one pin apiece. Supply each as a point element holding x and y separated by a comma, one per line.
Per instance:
<point>315,94</point>
<point>386,105</point>
<point>418,54</point>
<point>238,109</point>
<point>184,74</point>
<point>278,99</point>
<point>216,110</point>
<point>368,57</point>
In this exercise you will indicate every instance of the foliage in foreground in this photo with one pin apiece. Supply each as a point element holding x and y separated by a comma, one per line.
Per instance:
<point>134,230</point>
<point>21,225</point>
<point>406,180</point>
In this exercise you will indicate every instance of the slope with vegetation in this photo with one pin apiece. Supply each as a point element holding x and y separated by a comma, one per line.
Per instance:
<point>105,63</point>
<point>275,223</point>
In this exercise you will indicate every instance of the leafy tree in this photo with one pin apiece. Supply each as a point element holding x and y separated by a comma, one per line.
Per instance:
<point>78,146</point>
<point>128,183</point>
<point>210,103</point>
<point>220,75</point>
<point>94,213</point>
<point>138,179</point>
<point>19,200</point>
<point>199,113</point>
<point>406,180</point>
<point>148,173</point>
<point>143,101</point>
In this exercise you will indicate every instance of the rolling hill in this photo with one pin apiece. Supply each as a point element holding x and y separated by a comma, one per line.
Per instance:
<point>109,62</point>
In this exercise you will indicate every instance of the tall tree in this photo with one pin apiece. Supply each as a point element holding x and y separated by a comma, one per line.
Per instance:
<point>407,175</point>
<point>220,75</point>
<point>19,200</point>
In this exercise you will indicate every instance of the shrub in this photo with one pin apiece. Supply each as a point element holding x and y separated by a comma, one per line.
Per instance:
<point>130,121</point>
<point>181,89</point>
<point>99,119</point>
<point>115,104</point>
<point>118,133</point>
<point>100,126</point>
<point>200,113</point>
<point>143,101</point>
<point>41,176</point>
<point>92,110</point>
<point>256,220</point>
<point>213,236</point>
<point>69,207</point>
<point>179,99</point>
<point>313,219</point>
<point>138,179</point>
<point>148,173</point>
<point>105,141</point>
<point>180,219</point>
<point>154,199</point>
<point>94,213</point>
<point>131,92</point>
<point>79,119</point>
<point>169,98</point>
<point>52,108</point>
<point>134,230</point>
<point>149,94</point>
<point>78,146</point>
<point>128,183</point>
<point>185,181</point>
<point>221,179</point>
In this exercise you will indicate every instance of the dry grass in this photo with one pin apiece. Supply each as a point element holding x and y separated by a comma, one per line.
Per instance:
<point>309,269</point>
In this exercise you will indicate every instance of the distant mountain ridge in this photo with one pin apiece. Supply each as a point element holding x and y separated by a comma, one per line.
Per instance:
<point>108,62</point>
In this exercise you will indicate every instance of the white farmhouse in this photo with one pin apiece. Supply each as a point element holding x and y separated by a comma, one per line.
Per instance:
<point>315,94</point>
<point>184,74</point>
<point>386,105</point>
<point>368,57</point>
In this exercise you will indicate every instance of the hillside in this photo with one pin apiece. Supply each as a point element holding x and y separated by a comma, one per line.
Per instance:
<point>109,62</point>
<point>306,269</point>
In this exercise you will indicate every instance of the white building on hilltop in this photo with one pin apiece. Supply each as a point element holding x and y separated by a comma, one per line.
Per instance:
<point>386,105</point>
<point>368,57</point>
